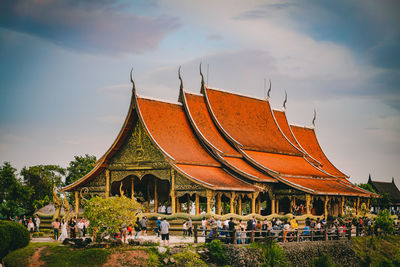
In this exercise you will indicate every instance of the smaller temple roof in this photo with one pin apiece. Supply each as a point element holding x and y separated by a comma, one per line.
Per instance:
<point>387,187</point>
<point>308,140</point>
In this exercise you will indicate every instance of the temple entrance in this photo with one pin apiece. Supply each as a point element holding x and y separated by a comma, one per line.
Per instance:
<point>152,193</point>
<point>318,207</point>
<point>265,203</point>
<point>284,205</point>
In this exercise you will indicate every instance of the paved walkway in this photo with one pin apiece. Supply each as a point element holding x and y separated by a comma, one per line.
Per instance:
<point>172,239</point>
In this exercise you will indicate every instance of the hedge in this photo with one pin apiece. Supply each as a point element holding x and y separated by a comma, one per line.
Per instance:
<point>13,236</point>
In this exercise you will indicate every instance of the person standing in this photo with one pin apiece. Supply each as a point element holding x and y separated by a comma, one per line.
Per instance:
<point>31,226</point>
<point>25,222</point>
<point>165,231</point>
<point>85,229</point>
<point>80,225</point>
<point>143,224</point>
<point>137,227</point>
<point>71,226</point>
<point>189,225</point>
<point>158,224</point>
<point>64,233</point>
<point>56,227</point>
<point>37,223</point>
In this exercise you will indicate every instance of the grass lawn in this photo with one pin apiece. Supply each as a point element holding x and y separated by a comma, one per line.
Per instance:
<point>378,251</point>
<point>55,254</point>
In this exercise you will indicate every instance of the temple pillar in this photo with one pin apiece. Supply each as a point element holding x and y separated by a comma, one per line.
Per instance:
<point>368,204</point>
<point>253,203</point>
<point>308,204</point>
<point>232,202</point>
<point>218,205</point>
<point>172,192</point>
<point>341,208</point>
<point>277,206</point>
<point>188,203</point>
<point>76,203</point>
<point>155,197</point>
<point>107,183</point>
<point>197,204</point>
<point>178,205</point>
<point>133,187</point>
<point>273,204</point>
<point>240,205</point>
<point>209,199</point>
<point>259,204</point>
<point>326,207</point>
<point>358,206</point>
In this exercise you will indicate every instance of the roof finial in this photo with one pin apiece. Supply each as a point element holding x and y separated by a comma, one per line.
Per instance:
<point>202,81</point>
<point>315,116</point>
<point>180,78</point>
<point>269,89</point>
<point>284,102</point>
<point>180,98</point>
<point>133,84</point>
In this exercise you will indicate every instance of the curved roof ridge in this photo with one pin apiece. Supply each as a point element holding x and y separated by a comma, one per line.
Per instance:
<point>236,93</point>
<point>286,122</point>
<point>159,100</point>
<point>321,151</point>
<point>99,165</point>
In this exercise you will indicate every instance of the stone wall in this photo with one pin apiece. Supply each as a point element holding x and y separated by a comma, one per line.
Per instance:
<point>303,253</point>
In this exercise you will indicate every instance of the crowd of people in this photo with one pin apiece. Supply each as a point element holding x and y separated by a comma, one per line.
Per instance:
<point>31,223</point>
<point>71,229</point>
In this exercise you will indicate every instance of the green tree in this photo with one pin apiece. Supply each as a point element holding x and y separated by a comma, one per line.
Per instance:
<point>41,179</point>
<point>13,194</point>
<point>384,222</point>
<point>367,187</point>
<point>107,215</point>
<point>79,167</point>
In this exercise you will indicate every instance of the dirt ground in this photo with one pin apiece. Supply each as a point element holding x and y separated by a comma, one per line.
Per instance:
<point>127,258</point>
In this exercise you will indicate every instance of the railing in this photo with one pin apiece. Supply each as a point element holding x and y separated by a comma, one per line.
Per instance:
<point>281,235</point>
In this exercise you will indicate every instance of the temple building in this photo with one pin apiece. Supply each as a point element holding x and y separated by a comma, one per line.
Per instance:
<point>391,190</point>
<point>218,152</point>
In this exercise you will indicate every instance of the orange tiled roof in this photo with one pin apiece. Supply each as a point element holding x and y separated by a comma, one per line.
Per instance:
<point>249,122</point>
<point>208,132</point>
<point>285,164</point>
<point>217,177</point>
<point>169,128</point>
<point>328,186</point>
<point>309,141</point>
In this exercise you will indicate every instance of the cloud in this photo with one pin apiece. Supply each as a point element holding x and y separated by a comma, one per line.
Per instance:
<point>87,26</point>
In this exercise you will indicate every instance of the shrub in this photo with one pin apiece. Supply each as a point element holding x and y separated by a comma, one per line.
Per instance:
<point>15,236</point>
<point>188,258</point>
<point>217,252</point>
<point>35,234</point>
<point>384,222</point>
<point>41,234</point>
<point>323,261</point>
<point>272,253</point>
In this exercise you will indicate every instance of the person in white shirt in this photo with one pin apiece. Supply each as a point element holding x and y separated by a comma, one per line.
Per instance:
<point>164,231</point>
<point>80,225</point>
<point>37,223</point>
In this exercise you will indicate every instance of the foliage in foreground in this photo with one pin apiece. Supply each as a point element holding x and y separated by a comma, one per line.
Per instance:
<point>273,254</point>
<point>384,222</point>
<point>323,261</point>
<point>189,259</point>
<point>217,251</point>
<point>378,251</point>
<point>107,215</point>
<point>12,236</point>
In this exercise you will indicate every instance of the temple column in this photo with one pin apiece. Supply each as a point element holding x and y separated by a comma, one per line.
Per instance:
<point>259,204</point>
<point>76,203</point>
<point>277,206</point>
<point>368,204</point>
<point>172,192</point>
<point>232,202</point>
<point>107,183</point>
<point>308,204</point>
<point>273,204</point>
<point>209,198</point>
<point>188,204</point>
<point>133,187</point>
<point>326,207</point>
<point>218,205</point>
<point>155,197</point>
<point>197,203</point>
<point>240,205</point>
<point>253,203</point>
<point>178,205</point>
<point>341,208</point>
<point>358,206</point>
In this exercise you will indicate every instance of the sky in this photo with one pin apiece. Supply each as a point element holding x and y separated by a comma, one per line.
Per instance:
<point>64,71</point>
